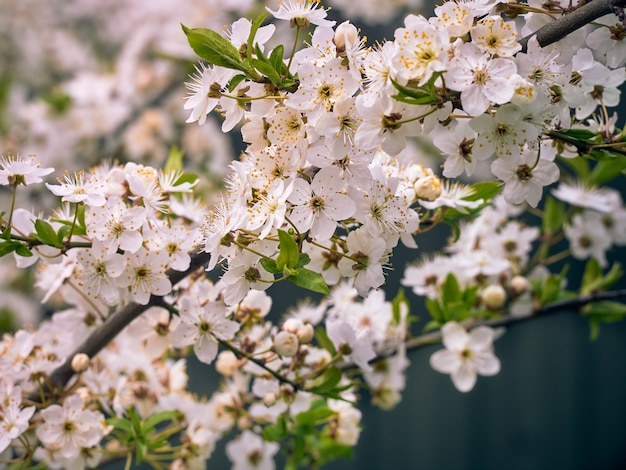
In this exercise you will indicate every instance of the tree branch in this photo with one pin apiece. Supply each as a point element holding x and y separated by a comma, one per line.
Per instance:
<point>571,21</point>
<point>554,307</point>
<point>118,321</point>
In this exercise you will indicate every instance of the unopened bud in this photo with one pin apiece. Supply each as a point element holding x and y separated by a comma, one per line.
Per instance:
<point>286,344</point>
<point>493,296</point>
<point>227,363</point>
<point>287,393</point>
<point>346,35</point>
<point>292,325</point>
<point>306,333</point>
<point>519,285</point>
<point>269,399</point>
<point>80,362</point>
<point>244,422</point>
<point>428,188</point>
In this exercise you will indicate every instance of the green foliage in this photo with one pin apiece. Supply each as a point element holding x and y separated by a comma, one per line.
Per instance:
<point>215,49</point>
<point>307,439</point>
<point>553,216</point>
<point>423,95</point>
<point>143,438</point>
<point>594,280</point>
<point>603,312</point>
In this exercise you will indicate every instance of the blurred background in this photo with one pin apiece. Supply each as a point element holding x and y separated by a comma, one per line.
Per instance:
<point>84,81</point>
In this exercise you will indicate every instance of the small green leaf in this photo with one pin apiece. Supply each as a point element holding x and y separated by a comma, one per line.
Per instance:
<point>313,416</point>
<point>270,266</point>
<point>154,420</point>
<point>485,190</point>
<point>303,260</point>
<point>267,70</point>
<point>9,247</point>
<point>276,432</point>
<point>607,168</point>
<point>399,300</point>
<point>277,60</point>
<point>450,290</point>
<point>310,280</point>
<point>24,251</point>
<point>214,48</point>
<point>431,325</point>
<point>434,309</point>
<point>120,423</point>
<point>256,24</point>
<point>236,80</point>
<point>553,216</point>
<point>289,253</point>
<point>327,381</point>
<point>46,234</point>
<point>579,166</point>
<point>174,160</point>
<point>324,341</point>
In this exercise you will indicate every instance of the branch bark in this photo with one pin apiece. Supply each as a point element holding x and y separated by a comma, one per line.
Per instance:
<point>118,321</point>
<point>571,21</point>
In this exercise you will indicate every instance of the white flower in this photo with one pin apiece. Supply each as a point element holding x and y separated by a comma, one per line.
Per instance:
<point>466,355</point>
<point>70,428</point>
<point>525,177</point>
<point>204,91</point>
<point>319,206</point>
<point>365,264</point>
<point>13,419</point>
<point>203,326</point>
<point>480,79</point>
<point>250,451</point>
<point>301,13</point>
<point>588,237</point>
<point>116,225</point>
<point>100,268</point>
<point>145,275</point>
<point>357,349</point>
<point>78,189</point>
<point>16,170</point>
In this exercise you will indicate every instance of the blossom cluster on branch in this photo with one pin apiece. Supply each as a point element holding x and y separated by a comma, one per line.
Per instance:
<point>333,178</point>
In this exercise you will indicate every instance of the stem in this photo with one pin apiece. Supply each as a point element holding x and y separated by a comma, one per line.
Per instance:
<point>8,236</point>
<point>239,353</point>
<point>293,49</point>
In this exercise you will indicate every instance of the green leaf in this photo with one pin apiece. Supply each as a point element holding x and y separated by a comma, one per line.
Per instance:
<point>276,432</point>
<point>256,24</point>
<point>270,266</point>
<point>324,341</point>
<point>309,280</point>
<point>277,60</point>
<point>593,272</point>
<point>432,325</point>
<point>553,216</point>
<point>289,253</point>
<point>214,48</point>
<point>154,420</point>
<point>9,247</point>
<point>311,417</point>
<point>434,309</point>
<point>46,234</point>
<point>303,260</point>
<point>399,300</point>
<point>174,160</point>
<point>608,168</point>
<point>24,251</point>
<point>267,70</point>
<point>606,311</point>
<point>450,290</point>
<point>485,190</point>
<point>120,423</point>
<point>579,166</point>
<point>236,80</point>
<point>580,134</point>
<point>327,381</point>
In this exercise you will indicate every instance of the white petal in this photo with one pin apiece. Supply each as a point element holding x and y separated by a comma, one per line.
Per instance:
<point>446,362</point>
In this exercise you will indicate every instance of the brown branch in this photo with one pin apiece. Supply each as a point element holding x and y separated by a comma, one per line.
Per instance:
<point>571,21</point>
<point>118,321</point>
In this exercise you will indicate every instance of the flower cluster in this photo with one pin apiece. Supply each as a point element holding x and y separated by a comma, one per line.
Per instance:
<point>333,178</point>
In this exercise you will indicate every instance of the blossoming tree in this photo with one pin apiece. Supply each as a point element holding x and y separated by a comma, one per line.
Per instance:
<point>330,183</point>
